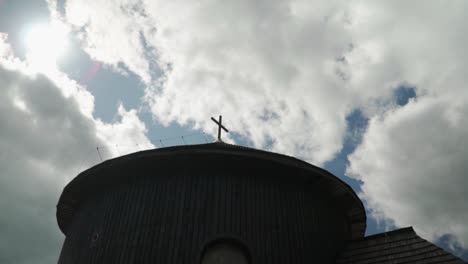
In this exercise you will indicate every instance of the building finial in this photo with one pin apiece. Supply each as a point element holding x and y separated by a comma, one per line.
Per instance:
<point>220,126</point>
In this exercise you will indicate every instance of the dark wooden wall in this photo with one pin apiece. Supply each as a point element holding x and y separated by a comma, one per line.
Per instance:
<point>168,216</point>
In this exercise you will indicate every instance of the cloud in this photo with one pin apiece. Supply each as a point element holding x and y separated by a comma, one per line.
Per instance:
<point>43,138</point>
<point>267,66</point>
<point>127,135</point>
<point>286,74</point>
<point>413,166</point>
<point>412,160</point>
<point>48,135</point>
<point>101,21</point>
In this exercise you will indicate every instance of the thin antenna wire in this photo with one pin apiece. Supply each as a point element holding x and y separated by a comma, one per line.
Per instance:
<point>81,165</point>
<point>99,153</point>
<point>183,138</point>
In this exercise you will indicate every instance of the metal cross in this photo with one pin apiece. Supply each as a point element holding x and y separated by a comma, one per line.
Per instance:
<point>220,126</point>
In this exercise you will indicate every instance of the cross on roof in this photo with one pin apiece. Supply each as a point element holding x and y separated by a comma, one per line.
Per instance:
<point>220,126</point>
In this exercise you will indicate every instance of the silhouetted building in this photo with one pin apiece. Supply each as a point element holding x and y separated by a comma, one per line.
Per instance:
<point>220,203</point>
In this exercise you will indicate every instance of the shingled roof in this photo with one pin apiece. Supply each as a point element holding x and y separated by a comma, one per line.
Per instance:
<point>399,246</point>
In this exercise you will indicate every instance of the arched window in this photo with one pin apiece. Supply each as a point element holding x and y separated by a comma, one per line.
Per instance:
<point>225,251</point>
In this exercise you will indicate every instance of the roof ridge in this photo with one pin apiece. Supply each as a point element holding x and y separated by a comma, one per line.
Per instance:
<point>400,230</point>
<point>428,245</point>
<point>419,240</point>
<point>394,250</point>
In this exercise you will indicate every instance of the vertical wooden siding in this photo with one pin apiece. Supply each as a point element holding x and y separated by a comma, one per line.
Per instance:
<point>169,218</point>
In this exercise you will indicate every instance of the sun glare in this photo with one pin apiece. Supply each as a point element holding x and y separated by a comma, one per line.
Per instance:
<point>46,44</point>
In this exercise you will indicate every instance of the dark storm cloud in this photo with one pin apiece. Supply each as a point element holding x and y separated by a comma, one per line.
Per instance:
<point>43,138</point>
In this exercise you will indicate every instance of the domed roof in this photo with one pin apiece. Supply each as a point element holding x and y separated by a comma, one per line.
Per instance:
<point>105,175</point>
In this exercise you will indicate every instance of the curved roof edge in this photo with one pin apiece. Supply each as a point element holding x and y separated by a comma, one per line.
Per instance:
<point>73,194</point>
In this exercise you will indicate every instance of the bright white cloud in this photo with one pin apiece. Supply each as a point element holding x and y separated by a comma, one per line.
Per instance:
<point>289,72</point>
<point>47,136</point>
<point>412,161</point>
<point>413,166</point>
<point>110,30</point>
<point>269,71</point>
<point>127,135</point>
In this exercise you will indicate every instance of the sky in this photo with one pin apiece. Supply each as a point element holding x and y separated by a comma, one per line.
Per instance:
<point>373,91</point>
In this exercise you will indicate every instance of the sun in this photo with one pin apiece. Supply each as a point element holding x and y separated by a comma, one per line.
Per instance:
<point>45,45</point>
